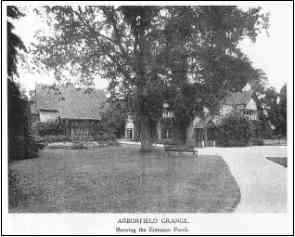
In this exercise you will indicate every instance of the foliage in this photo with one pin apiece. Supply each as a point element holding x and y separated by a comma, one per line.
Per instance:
<point>14,42</point>
<point>52,138</point>
<point>282,129</point>
<point>20,142</point>
<point>258,82</point>
<point>257,141</point>
<point>234,131</point>
<point>170,141</point>
<point>101,131</point>
<point>271,105</point>
<point>275,105</point>
<point>148,53</point>
<point>207,63</point>
<point>15,194</point>
<point>115,116</point>
<point>78,146</point>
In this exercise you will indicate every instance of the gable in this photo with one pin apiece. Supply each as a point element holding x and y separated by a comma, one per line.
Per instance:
<point>238,98</point>
<point>251,105</point>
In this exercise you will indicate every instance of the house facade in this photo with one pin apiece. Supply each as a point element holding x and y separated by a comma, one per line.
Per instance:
<point>78,110</point>
<point>202,130</point>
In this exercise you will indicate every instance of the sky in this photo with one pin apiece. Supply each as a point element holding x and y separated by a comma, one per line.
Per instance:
<point>272,53</point>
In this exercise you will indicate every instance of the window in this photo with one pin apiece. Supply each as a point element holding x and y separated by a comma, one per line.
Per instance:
<point>129,133</point>
<point>166,133</point>
<point>167,114</point>
<point>241,107</point>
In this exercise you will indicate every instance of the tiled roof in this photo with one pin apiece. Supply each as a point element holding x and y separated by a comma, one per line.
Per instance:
<point>233,99</point>
<point>237,98</point>
<point>47,98</point>
<point>70,102</point>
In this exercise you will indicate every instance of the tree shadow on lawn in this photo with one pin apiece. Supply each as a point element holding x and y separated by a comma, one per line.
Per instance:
<point>122,179</point>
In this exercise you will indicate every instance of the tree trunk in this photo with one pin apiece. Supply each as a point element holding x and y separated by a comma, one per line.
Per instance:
<point>145,136</point>
<point>259,107</point>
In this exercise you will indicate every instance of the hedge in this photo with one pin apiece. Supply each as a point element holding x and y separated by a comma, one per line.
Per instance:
<point>235,131</point>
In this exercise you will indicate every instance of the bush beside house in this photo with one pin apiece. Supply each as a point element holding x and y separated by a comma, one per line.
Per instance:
<point>48,132</point>
<point>54,131</point>
<point>49,128</point>
<point>102,132</point>
<point>235,131</point>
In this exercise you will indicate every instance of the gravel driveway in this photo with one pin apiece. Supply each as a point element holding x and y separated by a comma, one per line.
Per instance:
<point>263,183</point>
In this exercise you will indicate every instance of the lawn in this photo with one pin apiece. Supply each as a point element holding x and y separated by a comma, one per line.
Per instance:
<point>121,179</point>
<point>279,160</point>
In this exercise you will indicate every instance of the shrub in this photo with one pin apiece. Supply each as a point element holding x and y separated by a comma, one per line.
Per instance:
<point>102,132</point>
<point>170,141</point>
<point>51,138</point>
<point>78,146</point>
<point>257,141</point>
<point>22,147</point>
<point>234,131</point>
<point>14,192</point>
<point>49,128</point>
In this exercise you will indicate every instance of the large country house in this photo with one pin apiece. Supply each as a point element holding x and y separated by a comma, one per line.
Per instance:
<point>202,131</point>
<point>78,110</point>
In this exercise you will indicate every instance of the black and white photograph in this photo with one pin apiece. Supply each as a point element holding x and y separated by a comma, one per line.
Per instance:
<point>147,118</point>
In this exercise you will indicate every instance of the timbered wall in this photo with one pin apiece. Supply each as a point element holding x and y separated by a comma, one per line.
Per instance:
<point>79,129</point>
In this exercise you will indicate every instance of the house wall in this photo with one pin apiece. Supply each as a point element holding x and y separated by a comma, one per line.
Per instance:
<point>46,116</point>
<point>79,129</point>
<point>225,109</point>
<point>190,131</point>
<point>251,114</point>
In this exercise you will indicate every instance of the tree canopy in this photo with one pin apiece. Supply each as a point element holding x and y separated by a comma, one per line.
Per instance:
<point>20,143</point>
<point>13,41</point>
<point>275,105</point>
<point>187,55</point>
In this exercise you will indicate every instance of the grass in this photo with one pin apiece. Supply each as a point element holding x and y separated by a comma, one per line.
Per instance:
<point>121,179</point>
<point>279,160</point>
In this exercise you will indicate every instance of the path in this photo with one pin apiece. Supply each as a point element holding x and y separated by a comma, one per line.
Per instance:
<point>263,183</point>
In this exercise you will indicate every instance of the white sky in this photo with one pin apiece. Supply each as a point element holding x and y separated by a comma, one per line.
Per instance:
<point>271,53</point>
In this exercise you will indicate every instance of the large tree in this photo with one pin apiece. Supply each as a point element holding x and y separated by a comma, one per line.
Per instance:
<point>147,53</point>
<point>283,110</point>
<point>204,58</point>
<point>20,143</point>
<point>275,104</point>
<point>14,43</point>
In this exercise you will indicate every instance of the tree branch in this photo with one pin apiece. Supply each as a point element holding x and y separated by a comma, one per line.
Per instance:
<point>118,40</point>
